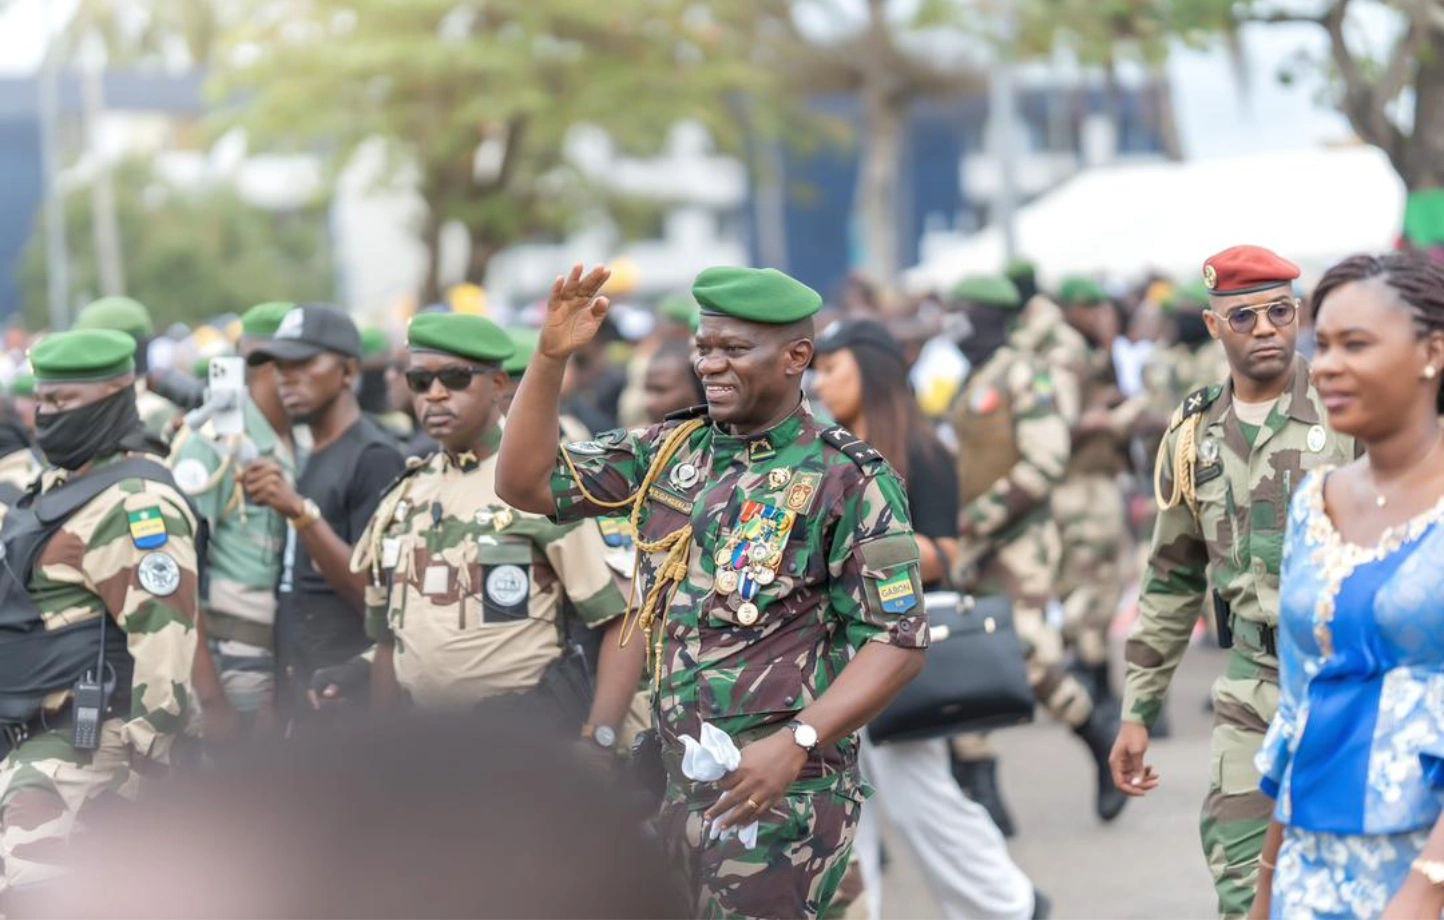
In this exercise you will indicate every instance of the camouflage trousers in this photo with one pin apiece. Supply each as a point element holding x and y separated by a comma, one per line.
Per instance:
<point>1236,812</point>
<point>1091,577</point>
<point>804,844</point>
<point>45,784</point>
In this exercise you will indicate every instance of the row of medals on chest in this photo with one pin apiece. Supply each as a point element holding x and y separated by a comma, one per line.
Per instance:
<point>498,520</point>
<point>749,571</point>
<point>1316,440</point>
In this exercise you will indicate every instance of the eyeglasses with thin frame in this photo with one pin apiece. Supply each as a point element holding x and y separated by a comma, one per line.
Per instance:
<point>454,378</point>
<point>1281,313</point>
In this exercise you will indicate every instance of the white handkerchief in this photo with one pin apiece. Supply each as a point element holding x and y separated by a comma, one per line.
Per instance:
<point>709,760</point>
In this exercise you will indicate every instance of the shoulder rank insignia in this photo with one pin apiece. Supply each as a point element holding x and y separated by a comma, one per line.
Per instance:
<point>147,527</point>
<point>856,450</point>
<point>1194,403</point>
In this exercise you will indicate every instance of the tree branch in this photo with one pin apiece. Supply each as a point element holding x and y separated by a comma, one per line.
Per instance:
<point>1362,104</point>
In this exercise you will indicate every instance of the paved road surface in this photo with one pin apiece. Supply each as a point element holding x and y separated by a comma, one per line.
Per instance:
<point>1147,863</point>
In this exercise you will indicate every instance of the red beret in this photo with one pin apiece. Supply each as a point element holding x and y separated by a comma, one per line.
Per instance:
<point>1246,269</point>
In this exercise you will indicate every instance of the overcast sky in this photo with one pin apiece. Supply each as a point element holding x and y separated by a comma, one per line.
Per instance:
<point>1216,118</point>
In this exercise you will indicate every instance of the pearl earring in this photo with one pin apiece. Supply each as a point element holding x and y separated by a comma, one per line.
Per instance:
<point>1429,372</point>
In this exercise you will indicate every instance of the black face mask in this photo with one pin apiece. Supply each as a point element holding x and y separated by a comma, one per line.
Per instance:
<point>1192,330</point>
<point>990,332</point>
<point>73,438</point>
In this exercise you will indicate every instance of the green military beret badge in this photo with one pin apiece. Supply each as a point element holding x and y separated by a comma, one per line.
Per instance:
<point>474,338</point>
<point>83,356</point>
<point>120,314</point>
<point>262,320</point>
<point>757,295</point>
<point>989,291</point>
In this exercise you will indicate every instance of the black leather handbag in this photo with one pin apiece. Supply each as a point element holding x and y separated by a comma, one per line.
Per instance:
<point>975,677</point>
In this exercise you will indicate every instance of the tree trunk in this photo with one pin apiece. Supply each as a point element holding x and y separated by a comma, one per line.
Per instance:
<point>1424,148</point>
<point>431,239</point>
<point>103,221</point>
<point>877,192</point>
<point>1167,116</point>
<point>482,252</point>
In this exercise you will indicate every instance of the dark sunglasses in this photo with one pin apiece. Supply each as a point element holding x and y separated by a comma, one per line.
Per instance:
<point>453,378</point>
<point>1280,313</point>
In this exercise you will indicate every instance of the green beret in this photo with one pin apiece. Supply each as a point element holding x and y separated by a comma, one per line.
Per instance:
<point>118,313</point>
<point>23,385</point>
<point>1080,291</point>
<point>83,355</point>
<point>475,338</point>
<point>524,341</point>
<point>262,320</point>
<point>1020,268</point>
<point>1191,296</point>
<point>989,291</point>
<point>374,342</point>
<point>757,295</point>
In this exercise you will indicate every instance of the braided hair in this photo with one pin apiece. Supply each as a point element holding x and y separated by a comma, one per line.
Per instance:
<point>1416,279</point>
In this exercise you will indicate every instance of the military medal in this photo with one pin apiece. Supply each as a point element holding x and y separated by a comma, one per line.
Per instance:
<point>159,574</point>
<point>779,477</point>
<point>685,475</point>
<point>726,582</point>
<point>723,556</point>
<point>1317,438</point>
<point>765,576</point>
<point>1208,451</point>
<point>747,614</point>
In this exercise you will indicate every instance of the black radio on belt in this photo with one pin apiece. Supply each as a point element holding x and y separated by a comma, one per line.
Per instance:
<point>91,694</point>
<point>1222,616</point>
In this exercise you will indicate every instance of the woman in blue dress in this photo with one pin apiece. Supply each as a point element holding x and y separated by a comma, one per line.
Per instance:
<point>1355,757</point>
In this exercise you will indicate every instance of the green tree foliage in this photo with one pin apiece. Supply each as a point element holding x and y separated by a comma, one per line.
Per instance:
<point>475,100</point>
<point>189,256</point>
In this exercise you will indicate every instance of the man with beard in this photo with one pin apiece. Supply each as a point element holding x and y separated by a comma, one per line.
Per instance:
<point>779,577</point>
<point>1234,452</point>
<point>319,616</point>
<point>235,673</point>
<point>1013,447</point>
<point>468,598</point>
<point>123,314</point>
<point>97,605</point>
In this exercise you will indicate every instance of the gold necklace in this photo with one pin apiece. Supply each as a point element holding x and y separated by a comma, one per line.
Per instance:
<point>1379,500</point>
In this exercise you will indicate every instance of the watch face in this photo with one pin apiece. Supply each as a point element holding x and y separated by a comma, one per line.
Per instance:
<point>605,736</point>
<point>806,736</point>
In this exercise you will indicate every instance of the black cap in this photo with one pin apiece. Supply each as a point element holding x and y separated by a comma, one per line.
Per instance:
<point>309,330</point>
<point>856,333</point>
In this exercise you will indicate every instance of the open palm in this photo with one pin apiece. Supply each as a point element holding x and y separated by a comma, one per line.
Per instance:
<point>574,312</point>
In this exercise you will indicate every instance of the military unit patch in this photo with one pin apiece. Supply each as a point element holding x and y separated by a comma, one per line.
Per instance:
<point>896,592</point>
<point>760,450</point>
<point>801,492</point>
<point>662,497</point>
<point>586,448</point>
<point>147,527</point>
<point>159,574</point>
<point>191,475</point>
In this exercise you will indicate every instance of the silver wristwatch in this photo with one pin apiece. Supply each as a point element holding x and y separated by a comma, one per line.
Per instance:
<point>805,735</point>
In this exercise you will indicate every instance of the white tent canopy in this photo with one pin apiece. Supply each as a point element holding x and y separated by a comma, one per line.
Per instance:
<point>1314,207</point>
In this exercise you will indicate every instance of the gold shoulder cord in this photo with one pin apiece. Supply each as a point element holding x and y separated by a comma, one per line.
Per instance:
<point>677,544</point>
<point>1184,455</point>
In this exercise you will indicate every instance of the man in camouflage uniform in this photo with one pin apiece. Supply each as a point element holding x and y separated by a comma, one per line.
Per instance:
<point>236,680</point>
<point>1233,454</point>
<point>1088,504</point>
<point>107,542</point>
<point>18,464</point>
<point>1013,449</point>
<point>131,317</point>
<point>469,599</point>
<point>779,583</point>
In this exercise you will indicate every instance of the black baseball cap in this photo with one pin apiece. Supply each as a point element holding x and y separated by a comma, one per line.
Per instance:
<point>309,330</point>
<point>856,333</point>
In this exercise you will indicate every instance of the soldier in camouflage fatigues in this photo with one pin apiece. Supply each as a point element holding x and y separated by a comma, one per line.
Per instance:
<point>246,541</point>
<point>1224,484</point>
<point>775,554</point>
<point>133,318</point>
<point>18,464</point>
<point>466,594</point>
<point>126,557</point>
<point>1012,428</point>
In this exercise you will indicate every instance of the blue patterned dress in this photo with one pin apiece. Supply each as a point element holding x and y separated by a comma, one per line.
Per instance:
<point>1355,757</point>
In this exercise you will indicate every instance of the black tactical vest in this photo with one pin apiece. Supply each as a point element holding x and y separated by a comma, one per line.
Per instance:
<point>34,661</point>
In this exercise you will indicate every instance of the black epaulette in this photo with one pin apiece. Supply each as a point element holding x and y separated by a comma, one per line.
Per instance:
<point>685,415</point>
<point>851,446</point>
<point>1196,402</point>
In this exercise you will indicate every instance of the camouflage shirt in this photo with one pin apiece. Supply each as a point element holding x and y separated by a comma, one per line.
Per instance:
<point>156,412</point>
<point>468,589</point>
<point>130,551</point>
<point>801,552</point>
<point>1234,544</point>
<point>246,539</point>
<point>18,469</point>
<point>1013,444</point>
